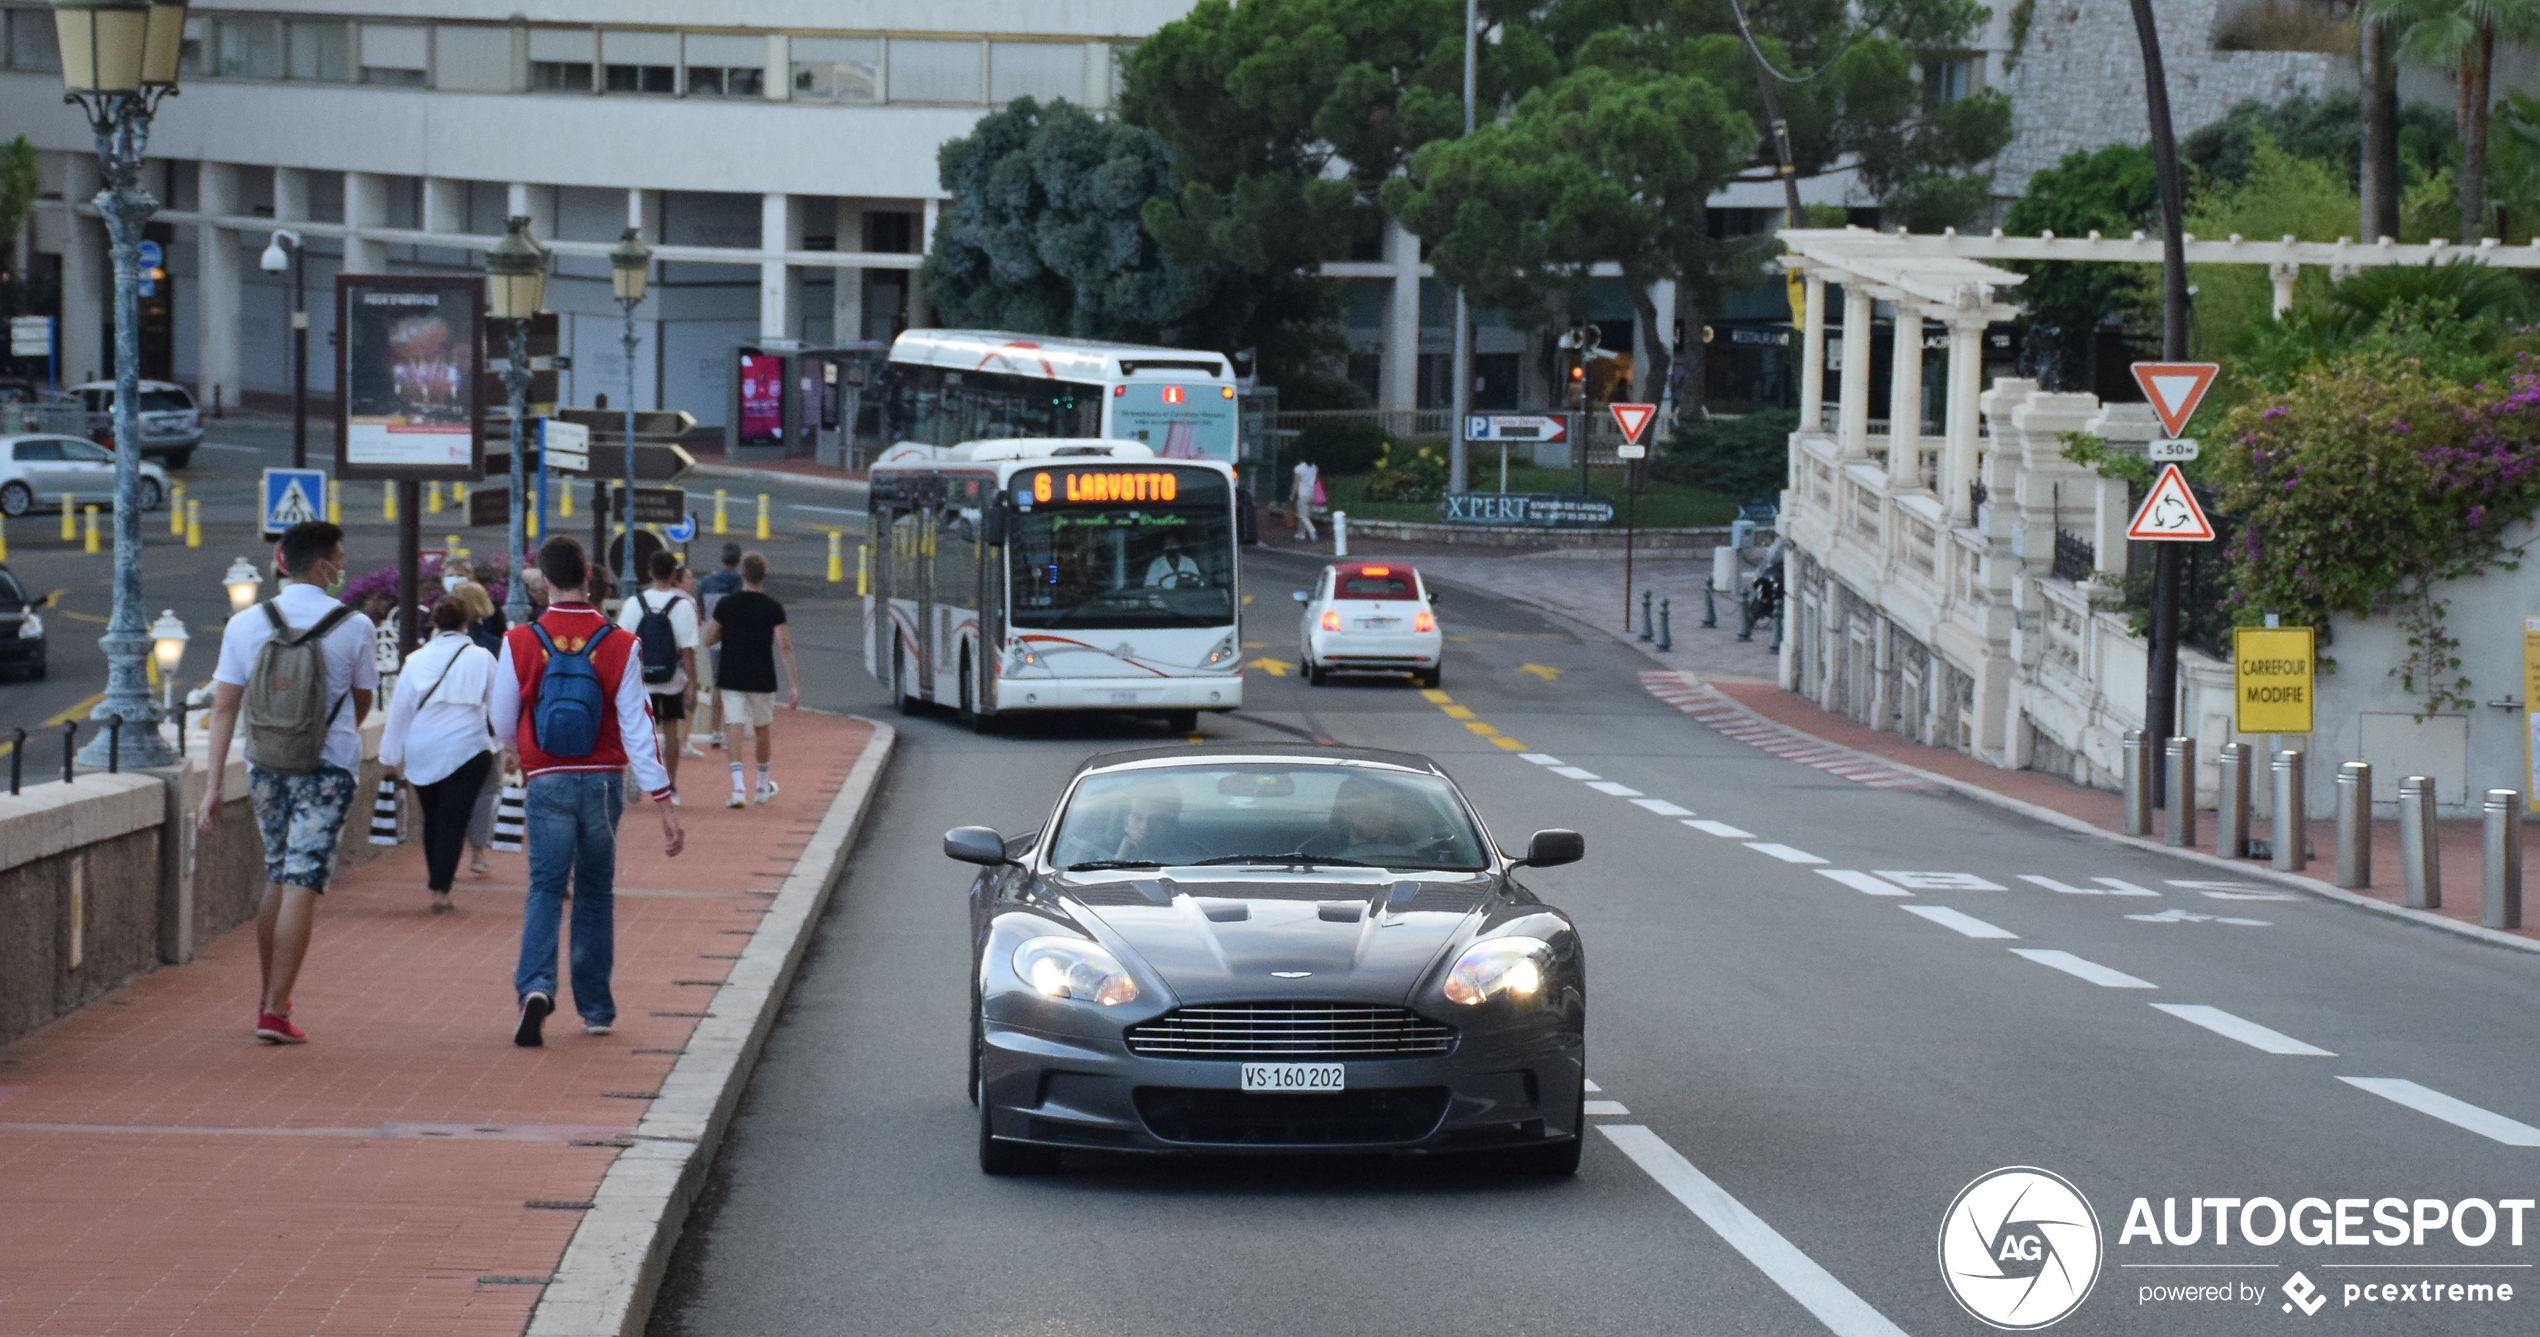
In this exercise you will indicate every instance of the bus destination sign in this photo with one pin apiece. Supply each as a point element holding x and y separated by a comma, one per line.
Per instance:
<point>1112,487</point>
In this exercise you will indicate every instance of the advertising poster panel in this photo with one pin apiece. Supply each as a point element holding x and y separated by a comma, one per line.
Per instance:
<point>762,399</point>
<point>409,364</point>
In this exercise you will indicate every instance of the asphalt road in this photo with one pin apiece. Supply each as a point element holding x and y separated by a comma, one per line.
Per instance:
<point>1810,1014</point>
<point>223,476</point>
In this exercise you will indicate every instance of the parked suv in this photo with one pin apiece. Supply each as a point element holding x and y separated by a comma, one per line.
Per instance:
<point>171,427</point>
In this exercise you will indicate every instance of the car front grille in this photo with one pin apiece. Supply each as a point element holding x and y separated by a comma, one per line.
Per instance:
<point>1293,1031</point>
<point>1255,1119</point>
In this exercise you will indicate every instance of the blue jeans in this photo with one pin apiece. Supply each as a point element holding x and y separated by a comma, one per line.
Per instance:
<point>572,830</point>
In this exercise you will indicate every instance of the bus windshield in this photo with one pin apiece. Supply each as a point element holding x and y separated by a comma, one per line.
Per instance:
<point>1125,566</point>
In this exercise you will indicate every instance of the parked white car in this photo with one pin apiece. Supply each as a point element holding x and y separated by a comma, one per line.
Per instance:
<point>37,471</point>
<point>1370,617</point>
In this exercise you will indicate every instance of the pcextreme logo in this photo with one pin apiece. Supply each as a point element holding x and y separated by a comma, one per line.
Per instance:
<point>2020,1248</point>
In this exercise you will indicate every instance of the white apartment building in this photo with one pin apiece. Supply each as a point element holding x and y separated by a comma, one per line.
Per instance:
<point>778,154</point>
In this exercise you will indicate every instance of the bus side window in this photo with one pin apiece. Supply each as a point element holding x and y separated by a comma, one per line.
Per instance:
<point>956,571</point>
<point>907,559</point>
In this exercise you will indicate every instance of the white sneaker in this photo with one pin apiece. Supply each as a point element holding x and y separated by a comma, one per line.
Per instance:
<point>674,798</point>
<point>738,800</point>
<point>766,790</point>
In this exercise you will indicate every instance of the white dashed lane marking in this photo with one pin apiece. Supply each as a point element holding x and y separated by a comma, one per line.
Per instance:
<point>1782,852</point>
<point>2242,1029</point>
<point>1708,705</point>
<point>1721,829</point>
<point>1662,807</point>
<point>1957,922</point>
<point>1576,773</point>
<point>1863,882</point>
<point>2080,969</point>
<point>2458,1113</point>
<point>1614,787</point>
<point>1605,1107</point>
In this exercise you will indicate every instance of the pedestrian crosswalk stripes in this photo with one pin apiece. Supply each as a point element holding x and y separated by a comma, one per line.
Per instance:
<point>1713,708</point>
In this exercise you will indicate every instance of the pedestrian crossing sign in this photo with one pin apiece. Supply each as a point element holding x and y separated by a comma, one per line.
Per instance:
<point>289,496</point>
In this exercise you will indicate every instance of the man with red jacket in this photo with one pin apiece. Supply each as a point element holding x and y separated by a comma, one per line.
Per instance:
<point>596,726</point>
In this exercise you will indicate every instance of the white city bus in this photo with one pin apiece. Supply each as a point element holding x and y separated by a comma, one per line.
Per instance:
<point>950,386</point>
<point>1023,575</point>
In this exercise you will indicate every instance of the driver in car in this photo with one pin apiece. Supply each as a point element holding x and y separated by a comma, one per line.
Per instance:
<point>1172,569</point>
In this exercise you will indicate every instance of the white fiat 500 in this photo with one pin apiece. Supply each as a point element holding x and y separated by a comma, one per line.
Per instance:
<point>1370,617</point>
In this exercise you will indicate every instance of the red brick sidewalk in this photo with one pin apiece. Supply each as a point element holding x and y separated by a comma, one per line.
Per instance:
<point>409,1170</point>
<point>2460,844</point>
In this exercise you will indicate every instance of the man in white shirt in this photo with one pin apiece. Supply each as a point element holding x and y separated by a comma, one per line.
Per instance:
<point>299,816</point>
<point>670,697</point>
<point>1301,498</point>
<point>1172,569</point>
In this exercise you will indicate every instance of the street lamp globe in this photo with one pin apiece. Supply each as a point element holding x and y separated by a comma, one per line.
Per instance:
<point>243,582</point>
<point>515,273</point>
<point>119,46</point>
<point>629,263</point>
<point>167,641</point>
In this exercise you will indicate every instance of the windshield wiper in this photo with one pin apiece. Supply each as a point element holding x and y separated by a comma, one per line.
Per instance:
<point>1091,865</point>
<point>1294,858</point>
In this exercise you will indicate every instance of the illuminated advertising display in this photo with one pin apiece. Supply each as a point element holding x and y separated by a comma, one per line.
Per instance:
<point>1177,422</point>
<point>762,399</point>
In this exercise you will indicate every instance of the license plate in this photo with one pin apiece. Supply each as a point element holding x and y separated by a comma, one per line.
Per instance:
<point>1292,1077</point>
<point>1124,698</point>
<point>1377,623</point>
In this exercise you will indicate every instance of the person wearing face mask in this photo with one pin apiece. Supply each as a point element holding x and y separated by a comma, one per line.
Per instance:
<point>304,746</point>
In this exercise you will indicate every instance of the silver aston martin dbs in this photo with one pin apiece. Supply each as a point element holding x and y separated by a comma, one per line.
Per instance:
<point>1276,949</point>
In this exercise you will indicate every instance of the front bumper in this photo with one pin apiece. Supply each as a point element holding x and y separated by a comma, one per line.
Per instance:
<point>1517,1087</point>
<point>1054,693</point>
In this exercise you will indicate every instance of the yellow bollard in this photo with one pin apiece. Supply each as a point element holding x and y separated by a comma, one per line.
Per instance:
<point>762,515</point>
<point>837,560</point>
<point>334,502</point>
<point>70,519</point>
<point>388,501</point>
<point>863,561</point>
<point>719,526</point>
<point>89,513</point>
<point>564,500</point>
<point>458,494</point>
<point>176,511</point>
<point>193,523</point>
<point>530,520</point>
<point>4,539</point>
<point>432,499</point>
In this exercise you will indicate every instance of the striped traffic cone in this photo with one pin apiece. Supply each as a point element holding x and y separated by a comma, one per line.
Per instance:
<point>511,819</point>
<point>383,814</point>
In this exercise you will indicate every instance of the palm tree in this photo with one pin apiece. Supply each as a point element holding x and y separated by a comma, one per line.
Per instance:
<point>2378,180</point>
<point>2463,34</point>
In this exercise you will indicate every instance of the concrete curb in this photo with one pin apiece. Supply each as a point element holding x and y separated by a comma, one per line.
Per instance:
<point>773,476</point>
<point>614,1264</point>
<point>2237,867</point>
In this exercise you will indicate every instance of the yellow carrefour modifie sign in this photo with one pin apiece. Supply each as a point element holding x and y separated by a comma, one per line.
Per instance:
<point>2272,672</point>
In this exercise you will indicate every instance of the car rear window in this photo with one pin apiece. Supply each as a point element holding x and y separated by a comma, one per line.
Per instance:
<point>1375,583</point>
<point>166,401</point>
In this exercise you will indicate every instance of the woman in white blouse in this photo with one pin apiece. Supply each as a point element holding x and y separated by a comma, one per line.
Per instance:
<point>439,738</point>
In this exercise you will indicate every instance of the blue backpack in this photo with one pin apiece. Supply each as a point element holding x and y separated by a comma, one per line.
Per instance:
<point>571,703</point>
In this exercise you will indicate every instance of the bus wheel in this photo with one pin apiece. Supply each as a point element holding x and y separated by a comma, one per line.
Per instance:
<point>1182,721</point>
<point>979,721</point>
<point>906,703</point>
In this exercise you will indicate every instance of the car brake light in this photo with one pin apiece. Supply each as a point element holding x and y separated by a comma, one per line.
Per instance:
<point>1331,619</point>
<point>1424,623</point>
<point>1375,570</point>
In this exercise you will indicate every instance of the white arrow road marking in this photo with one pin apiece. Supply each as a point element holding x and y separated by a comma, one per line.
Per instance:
<point>2109,886</point>
<point>2080,969</point>
<point>2458,1113</point>
<point>2242,1029</point>
<point>1938,881</point>
<point>1722,830</point>
<point>1863,882</point>
<point>2236,891</point>
<point>1782,852</point>
<point>2174,915</point>
<point>1956,922</point>
<point>1662,807</point>
<point>1834,1304</point>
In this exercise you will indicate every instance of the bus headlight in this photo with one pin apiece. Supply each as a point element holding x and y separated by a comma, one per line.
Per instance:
<point>1221,653</point>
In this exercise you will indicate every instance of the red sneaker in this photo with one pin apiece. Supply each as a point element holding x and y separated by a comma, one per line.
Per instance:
<point>275,1030</point>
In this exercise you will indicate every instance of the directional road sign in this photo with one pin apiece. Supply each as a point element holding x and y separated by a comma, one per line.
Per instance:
<point>683,531</point>
<point>290,496</point>
<point>1515,427</point>
<point>30,336</point>
<point>566,446</point>
<point>2170,514</point>
<point>2175,389</point>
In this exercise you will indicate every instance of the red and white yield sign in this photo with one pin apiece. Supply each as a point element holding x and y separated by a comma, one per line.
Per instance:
<point>2175,389</point>
<point>2170,514</point>
<point>1633,419</point>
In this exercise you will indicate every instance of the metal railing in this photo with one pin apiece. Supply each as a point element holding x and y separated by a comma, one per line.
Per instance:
<point>2075,557</point>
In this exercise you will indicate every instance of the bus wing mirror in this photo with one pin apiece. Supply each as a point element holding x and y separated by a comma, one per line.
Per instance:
<point>992,520</point>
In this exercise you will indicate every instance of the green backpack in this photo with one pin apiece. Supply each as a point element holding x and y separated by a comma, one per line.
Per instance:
<point>285,712</point>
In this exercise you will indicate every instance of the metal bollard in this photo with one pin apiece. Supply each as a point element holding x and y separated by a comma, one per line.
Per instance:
<point>2292,815</point>
<point>2231,800</point>
<point>1340,533</point>
<point>17,760</point>
<point>2354,824</point>
<point>70,747</point>
<point>114,745</point>
<point>2137,767</point>
<point>2420,852</point>
<point>1648,629</point>
<point>1710,604</point>
<point>2500,898</point>
<point>1775,644</point>
<point>2178,760</point>
<point>1666,625</point>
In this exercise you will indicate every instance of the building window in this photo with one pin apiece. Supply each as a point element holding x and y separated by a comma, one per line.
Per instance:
<point>561,59</point>
<point>556,76</point>
<point>640,62</point>
<point>320,50</point>
<point>395,54</point>
<point>470,59</point>
<point>934,71</point>
<point>1038,70</point>
<point>32,41</point>
<point>890,232</point>
<point>837,69</point>
<point>722,65</point>
<point>250,47</point>
<point>1947,79</point>
<point>643,78</point>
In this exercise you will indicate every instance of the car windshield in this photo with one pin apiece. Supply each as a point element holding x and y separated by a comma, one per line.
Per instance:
<point>1125,567</point>
<point>1269,813</point>
<point>87,451</point>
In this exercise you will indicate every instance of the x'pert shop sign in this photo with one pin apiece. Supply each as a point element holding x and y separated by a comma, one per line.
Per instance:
<point>2272,674</point>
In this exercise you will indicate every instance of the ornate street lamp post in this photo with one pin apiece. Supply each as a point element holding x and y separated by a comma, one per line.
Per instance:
<point>515,287</point>
<point>119,58</point>
<point>629,264</point>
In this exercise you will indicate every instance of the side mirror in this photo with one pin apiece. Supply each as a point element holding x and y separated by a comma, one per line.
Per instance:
<point>1434,597</point>
<point>992,523</point>
<point>1545,849</point>
<point>976,844</point>
<point>1302,597</point>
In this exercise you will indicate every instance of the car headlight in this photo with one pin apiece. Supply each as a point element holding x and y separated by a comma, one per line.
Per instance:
<point>1074,968</point>
<point>31,628</point>
<point>1495,966</point>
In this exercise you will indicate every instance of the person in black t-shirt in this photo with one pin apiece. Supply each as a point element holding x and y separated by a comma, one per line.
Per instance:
<point>750,627</point>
